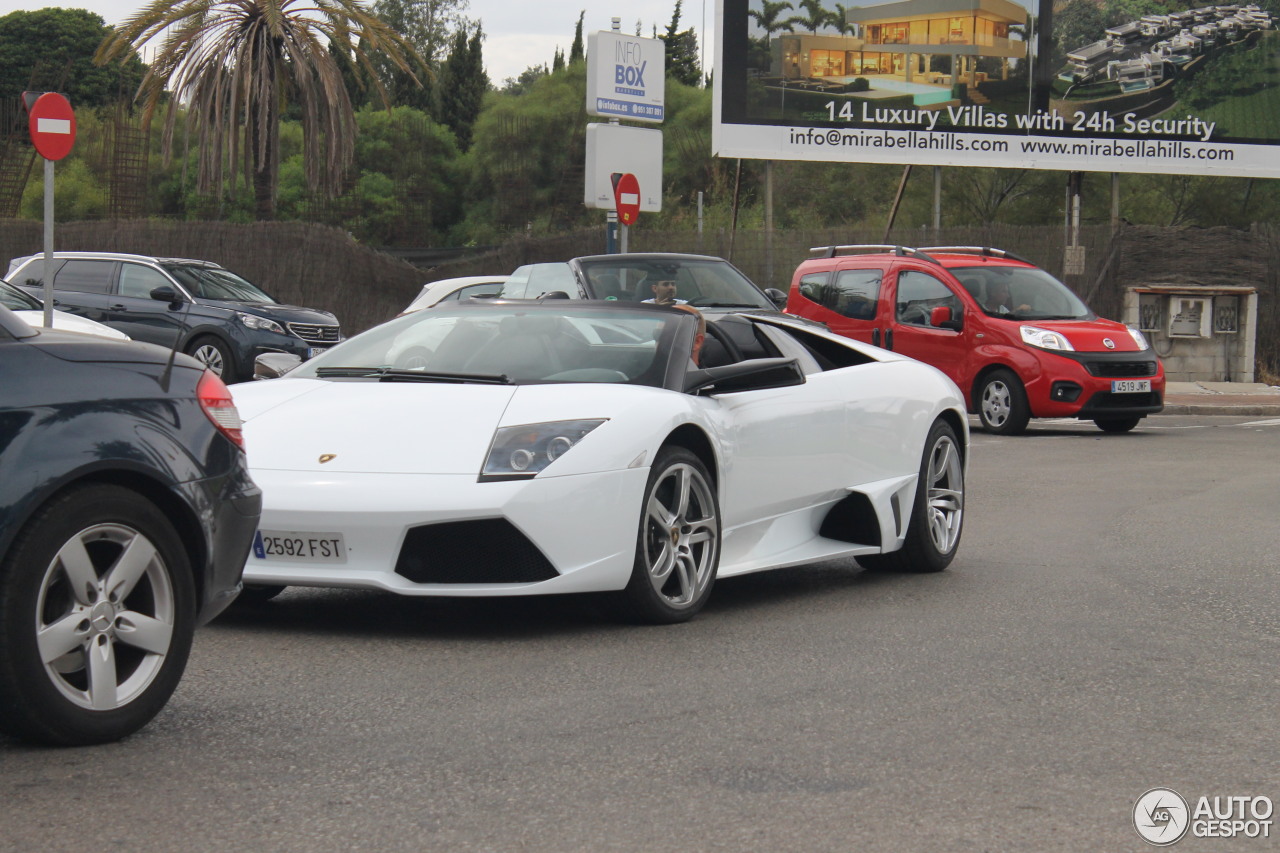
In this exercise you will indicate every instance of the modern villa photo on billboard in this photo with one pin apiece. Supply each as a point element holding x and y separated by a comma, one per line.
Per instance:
<point>1077,85</point>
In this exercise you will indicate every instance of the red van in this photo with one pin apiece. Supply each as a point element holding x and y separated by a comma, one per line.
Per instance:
<point>1016,340</point>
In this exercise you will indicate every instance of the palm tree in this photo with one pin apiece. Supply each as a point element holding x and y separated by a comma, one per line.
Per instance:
<point>235,63</point>
<point>767,17</point>
<point>840,20</point>
<point>817,18</point>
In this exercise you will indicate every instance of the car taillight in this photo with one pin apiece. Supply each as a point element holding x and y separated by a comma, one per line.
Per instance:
<point>216,401</point>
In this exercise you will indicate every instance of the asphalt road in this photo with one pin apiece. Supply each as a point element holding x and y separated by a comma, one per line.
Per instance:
<point>1110,626</point>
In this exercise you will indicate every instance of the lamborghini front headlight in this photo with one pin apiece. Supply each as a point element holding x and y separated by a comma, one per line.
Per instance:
<point>522,452</point>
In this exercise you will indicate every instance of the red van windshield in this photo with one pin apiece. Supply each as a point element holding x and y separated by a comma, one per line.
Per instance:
<point>1022,293</point>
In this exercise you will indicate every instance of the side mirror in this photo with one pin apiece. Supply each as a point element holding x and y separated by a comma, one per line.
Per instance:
<point>755,375</point>
<point>165,293</point>
<point>273,365</point>
<point>940,317</point>
<point>777,297</point>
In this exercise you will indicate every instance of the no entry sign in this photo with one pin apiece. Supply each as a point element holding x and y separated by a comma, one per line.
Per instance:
<point>53,125</point>
<point>626,193</point>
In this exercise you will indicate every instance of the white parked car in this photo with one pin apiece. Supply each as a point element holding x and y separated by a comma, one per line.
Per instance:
<point>32,311</point>
<point>456,289</point>
<point>575,446</point>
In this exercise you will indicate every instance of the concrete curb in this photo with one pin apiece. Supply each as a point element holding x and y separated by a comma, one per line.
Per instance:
<point>1249,410</point>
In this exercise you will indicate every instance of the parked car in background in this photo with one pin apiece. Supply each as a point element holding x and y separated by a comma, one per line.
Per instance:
<point>708,283</point>
<point>31,310</point>
<point>453,289</point>
<point>1016,340</point>
<point>126,514</point>
<point>499,448</point>
<point>198,307</point>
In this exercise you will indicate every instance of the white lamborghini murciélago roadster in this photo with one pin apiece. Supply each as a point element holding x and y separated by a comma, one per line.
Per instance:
<point>520,448</point>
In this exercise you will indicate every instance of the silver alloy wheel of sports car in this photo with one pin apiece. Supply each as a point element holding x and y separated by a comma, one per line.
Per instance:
<point>681,536</point>
<point>945,497</point>
<point>105,617</point>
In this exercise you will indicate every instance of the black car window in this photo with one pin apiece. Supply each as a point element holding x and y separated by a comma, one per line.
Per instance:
<point>16,300</point>
<point>32,275</point>
<point>84,276</point>
<point>857,292</point>
<point>813,286</point>
<point>216,283</point>
<point>138,281</point>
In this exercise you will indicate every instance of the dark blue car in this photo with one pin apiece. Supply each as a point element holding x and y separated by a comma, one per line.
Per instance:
<point>203,309</point>
<point>126,516</point>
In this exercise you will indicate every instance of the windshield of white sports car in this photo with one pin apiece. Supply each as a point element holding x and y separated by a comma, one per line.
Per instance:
<point>701,282</point>
<point>510,343</point>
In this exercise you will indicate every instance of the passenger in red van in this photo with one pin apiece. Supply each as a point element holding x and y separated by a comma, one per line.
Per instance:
<point>1047,356</point>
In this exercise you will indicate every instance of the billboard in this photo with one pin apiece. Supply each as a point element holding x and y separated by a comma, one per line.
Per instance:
<point>1041,84</point>
<point>626,76</point>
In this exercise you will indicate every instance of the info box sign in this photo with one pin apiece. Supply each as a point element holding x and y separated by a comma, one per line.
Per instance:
<point>944,83</point>
<point>626,76</point>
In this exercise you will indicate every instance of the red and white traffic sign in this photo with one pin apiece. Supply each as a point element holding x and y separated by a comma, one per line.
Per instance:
<point>626,197</point>
<point>53,126</point>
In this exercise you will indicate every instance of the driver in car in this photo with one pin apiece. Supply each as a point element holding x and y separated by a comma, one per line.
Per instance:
<point>664,293</point>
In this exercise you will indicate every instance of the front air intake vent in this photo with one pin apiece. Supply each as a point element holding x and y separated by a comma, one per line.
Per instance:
<point>1121,369</point>
<point>489,550</point>
<point>313,333</point>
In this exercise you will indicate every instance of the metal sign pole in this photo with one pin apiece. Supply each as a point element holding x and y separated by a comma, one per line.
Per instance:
<point>48,244</point>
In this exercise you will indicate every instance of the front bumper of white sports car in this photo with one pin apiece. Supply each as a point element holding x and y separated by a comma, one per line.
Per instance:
<point>448,535</point>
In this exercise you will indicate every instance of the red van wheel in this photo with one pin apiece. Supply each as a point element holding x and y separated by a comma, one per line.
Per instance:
<point>1002,404</point>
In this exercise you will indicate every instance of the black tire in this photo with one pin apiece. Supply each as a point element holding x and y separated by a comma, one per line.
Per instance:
<point>937,516</point>
<point>214,354</point>
<point>1116,424</point>
<point>677,553</point>
<point>1001,402</point>
<point>258,593</point>
<point>93,665</point>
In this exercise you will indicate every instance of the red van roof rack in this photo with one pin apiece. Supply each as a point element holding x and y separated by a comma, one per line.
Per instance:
<point>868,248</point>
<point>985,251</point>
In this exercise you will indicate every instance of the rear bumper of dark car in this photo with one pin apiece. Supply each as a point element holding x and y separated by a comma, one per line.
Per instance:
<point>234,506</point>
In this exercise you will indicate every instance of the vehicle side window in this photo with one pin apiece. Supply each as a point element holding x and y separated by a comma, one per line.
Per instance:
<point>517,284</point>
<point>918,294</point>
<point>857,292</point>
<point>84,276</point>
<point>138,281</point>
<point>548,278</point>
<point>32,275</point>
<point>813,286</point>
<point>475,290</point>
